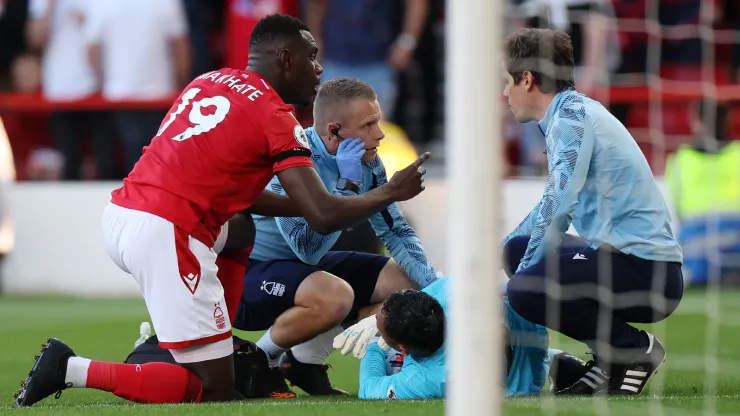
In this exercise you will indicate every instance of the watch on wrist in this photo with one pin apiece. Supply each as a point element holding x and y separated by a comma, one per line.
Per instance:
<point>406,41</point>
<point>347,185</point>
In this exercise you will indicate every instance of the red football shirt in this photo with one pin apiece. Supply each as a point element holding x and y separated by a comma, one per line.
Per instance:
<point>223,140</point>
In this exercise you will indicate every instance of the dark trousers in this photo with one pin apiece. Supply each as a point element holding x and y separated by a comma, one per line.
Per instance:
<point>68,131</point>
<point>637,291</point>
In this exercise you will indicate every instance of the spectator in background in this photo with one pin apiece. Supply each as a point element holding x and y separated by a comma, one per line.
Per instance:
<point>25,73</point>
<point>731,15</point>
<point>7,177</point>
<point>418,107</point>
<point>704,185</point>
<point>590,26</point>
<point>372,40</point>
<point>241,17</point>
<point>13,15</point>
<point>141,51</point>
<point>56,30</point>
<point>45,164</point>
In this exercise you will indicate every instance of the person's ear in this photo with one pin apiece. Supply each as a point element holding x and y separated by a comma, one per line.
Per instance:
<point>404,349</point>
<point>284,59</point>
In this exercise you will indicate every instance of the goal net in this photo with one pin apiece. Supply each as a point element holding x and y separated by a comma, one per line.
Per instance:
<point>668,70</point>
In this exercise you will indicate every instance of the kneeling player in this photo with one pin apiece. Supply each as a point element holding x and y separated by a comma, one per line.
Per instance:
<point>413,323</point>
<point>226,136</point>
<point>298,290</point>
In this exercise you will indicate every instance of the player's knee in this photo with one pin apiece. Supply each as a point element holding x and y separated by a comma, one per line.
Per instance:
<point>213,364</point>
<point>513,252</point>
<point>241,233</point>
<point>328,296</point>
<point>519,297</point>
<point>392,279</point>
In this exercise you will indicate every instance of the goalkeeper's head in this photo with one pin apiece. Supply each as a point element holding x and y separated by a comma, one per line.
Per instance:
<point>412,322</point>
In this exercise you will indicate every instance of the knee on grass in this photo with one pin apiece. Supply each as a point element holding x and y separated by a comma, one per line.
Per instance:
<point>522,299</point>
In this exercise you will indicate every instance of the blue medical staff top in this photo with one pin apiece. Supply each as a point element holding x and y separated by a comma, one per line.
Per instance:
<point>600,181</point>
<point>293,238</point>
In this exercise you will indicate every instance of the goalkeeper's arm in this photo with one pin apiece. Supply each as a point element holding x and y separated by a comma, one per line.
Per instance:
<point>406,385</point>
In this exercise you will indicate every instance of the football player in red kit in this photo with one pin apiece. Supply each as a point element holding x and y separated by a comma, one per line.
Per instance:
<point>225,137</point>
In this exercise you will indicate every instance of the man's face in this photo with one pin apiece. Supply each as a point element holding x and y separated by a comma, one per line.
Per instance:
<point>303,77</point>
<point>518,95</point>
<point>362,120</point>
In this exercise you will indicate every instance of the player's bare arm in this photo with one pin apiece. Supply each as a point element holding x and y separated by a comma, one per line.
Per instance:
<point>327,213</point>
<point>270,204</point>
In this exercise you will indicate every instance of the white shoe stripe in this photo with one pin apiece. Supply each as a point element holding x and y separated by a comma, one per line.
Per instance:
<point>634,373</point>
<point>589,382</point>
<point>630,388</point>
<point>632,381</point>
<point>595,377</point>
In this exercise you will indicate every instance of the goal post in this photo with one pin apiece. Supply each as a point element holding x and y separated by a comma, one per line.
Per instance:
<point>475,164</point>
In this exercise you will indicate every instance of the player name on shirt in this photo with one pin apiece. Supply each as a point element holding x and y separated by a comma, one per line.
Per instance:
<point>235,84</point>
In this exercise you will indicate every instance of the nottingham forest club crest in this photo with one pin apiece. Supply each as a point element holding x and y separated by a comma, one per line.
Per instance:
<point>300,136</point>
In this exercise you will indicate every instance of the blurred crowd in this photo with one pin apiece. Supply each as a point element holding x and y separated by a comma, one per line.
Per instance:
<point>63,51</point>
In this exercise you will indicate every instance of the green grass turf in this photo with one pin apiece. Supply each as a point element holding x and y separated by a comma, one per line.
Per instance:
<point>690,383</point>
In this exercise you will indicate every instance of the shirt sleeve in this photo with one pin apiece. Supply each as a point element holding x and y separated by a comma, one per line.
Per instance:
<point>94,21</point>
<point>307,244</point>
<point>37,8</point>
<point>568,162</point>
<point>526,226</point>
<point>287,141</point>
<point>374,384</point>
<point>398,237</point>
<point>176,24</point>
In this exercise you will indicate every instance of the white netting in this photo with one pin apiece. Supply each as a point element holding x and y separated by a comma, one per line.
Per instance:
<point>680,96</point>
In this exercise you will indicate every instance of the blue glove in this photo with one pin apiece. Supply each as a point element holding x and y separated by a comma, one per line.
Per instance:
<point>349,159</point>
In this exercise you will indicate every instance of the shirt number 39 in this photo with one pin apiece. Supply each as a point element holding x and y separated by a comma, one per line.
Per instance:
<point>202,123</point>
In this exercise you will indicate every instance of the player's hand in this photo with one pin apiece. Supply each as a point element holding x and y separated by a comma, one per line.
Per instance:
<point>409,182</point>
<point>349,159</point>
<point>400,58</point>
<point>358,337</point>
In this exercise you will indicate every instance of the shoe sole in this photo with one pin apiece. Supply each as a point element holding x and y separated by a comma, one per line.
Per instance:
<point>20,396</point>
<point>282,396</point>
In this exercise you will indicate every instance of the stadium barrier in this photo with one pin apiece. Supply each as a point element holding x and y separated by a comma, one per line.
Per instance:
<point>59,242</point>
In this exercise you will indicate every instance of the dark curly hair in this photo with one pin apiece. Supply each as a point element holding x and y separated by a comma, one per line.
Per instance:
<point>416,320</point>
<point>275,26</point>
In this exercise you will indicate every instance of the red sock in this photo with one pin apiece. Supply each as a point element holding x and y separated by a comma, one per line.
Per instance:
<point>231,270</point>
<point>145,383</point>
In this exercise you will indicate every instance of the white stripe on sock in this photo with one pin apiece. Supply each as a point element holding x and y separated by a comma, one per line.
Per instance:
<point>77,371</point>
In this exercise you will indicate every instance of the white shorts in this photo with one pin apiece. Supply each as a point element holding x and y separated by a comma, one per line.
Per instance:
<point>177,278</point>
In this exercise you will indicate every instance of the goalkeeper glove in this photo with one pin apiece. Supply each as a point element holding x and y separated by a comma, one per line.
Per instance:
<point>357,338</point>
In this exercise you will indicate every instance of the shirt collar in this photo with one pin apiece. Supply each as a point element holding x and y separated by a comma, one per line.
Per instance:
<point>554,106</point>
<point>319,148</point>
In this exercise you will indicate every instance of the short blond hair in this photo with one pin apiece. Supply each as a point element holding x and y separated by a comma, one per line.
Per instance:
<point>336,93</point>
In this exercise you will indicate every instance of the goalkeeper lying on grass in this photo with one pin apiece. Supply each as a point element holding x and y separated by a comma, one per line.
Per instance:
<point>413,323</point>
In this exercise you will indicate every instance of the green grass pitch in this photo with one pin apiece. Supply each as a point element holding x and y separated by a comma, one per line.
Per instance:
<point>692,382</point>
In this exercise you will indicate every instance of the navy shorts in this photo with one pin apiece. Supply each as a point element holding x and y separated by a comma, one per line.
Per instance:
<point>270,286</point>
